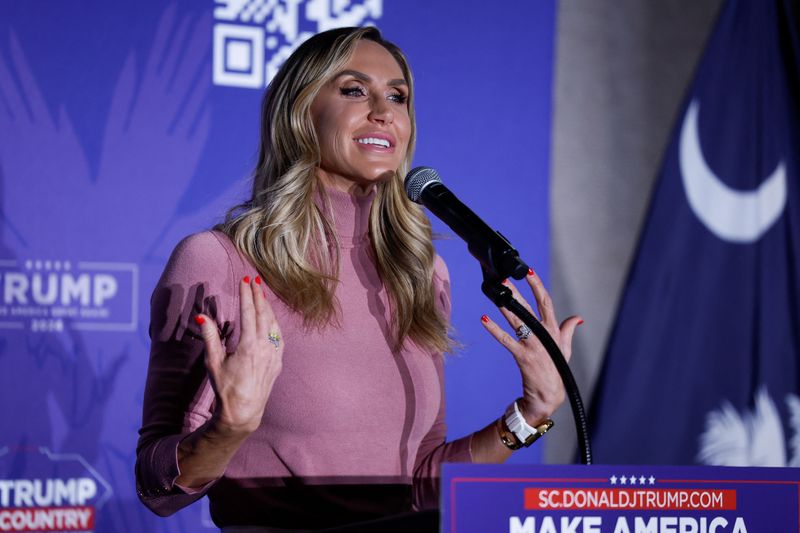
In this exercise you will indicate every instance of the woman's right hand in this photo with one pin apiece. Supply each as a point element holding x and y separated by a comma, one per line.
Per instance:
<point>242,380</point>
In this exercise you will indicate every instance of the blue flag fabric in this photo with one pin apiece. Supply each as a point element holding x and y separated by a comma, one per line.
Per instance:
<point>703,364</point>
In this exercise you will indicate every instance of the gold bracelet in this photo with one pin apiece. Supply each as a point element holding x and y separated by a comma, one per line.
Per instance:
<point>506,437</point>
<point>523,434</point>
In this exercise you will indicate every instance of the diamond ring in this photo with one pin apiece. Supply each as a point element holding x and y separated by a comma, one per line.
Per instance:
<point>523,332</point>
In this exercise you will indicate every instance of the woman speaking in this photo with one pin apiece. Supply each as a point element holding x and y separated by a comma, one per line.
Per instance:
<point>296,370</point>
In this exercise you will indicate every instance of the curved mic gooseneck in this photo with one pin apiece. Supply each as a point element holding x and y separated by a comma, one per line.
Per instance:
<point>499,260</point>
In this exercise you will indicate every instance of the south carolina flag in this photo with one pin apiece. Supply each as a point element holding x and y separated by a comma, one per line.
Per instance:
<point>703,364</point>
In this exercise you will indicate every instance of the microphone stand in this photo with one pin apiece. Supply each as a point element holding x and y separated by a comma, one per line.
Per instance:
<point>501,296</point>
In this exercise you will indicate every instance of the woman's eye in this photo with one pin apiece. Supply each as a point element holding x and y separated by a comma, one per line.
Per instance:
<point>352,91</point>
<point>398,98</point>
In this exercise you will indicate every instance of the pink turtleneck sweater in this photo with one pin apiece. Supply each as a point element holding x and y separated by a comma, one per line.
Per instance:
<point>351,431</point>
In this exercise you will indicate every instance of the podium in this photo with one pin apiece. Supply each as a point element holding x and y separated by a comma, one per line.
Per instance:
<point>619,499</point>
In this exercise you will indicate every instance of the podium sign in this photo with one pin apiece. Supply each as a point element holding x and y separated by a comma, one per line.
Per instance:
<point>619,499</point>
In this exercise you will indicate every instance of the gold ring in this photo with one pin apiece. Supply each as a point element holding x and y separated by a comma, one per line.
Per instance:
<point>275,339</point>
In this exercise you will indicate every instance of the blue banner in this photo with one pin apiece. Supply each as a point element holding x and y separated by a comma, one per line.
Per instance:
<point>619,499</point>
<point>703,365</point>
<point>125,126</point>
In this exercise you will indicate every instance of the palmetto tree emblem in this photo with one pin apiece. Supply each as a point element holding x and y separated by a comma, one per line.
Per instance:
<point>751,438</point>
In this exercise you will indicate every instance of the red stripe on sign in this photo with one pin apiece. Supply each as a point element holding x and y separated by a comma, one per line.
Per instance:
<point>47,519</point>
<point>630,499</point>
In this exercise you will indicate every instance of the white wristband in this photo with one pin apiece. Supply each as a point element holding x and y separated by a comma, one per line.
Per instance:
<point>524,433</point>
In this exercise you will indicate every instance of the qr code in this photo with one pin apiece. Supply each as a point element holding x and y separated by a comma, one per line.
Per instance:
<point>252,38</point>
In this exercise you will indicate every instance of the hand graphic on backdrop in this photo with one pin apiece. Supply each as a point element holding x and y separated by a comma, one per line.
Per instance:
<point>157,125</point>
<point>40,157</point>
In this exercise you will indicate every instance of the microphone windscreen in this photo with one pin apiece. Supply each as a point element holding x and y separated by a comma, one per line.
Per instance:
<point>418,179</point>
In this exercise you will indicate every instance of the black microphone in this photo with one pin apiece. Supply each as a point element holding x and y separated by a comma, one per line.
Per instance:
<point>489,247</point>
<point>499,261</point>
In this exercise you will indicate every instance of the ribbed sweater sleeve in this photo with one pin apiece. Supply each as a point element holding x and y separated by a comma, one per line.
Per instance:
<point>178,397</point>
<point>434,449</point>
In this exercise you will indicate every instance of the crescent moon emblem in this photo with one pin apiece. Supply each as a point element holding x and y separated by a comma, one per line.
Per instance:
<point>730,214</point>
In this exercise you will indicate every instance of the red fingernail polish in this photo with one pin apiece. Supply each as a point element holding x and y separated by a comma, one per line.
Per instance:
<point>580,321</point>
<point>505,281</point>
<point>530,272</point>
<point>484,319</point>
<point>258,280</point>
<point>199,320</point>
<point>246,279</point>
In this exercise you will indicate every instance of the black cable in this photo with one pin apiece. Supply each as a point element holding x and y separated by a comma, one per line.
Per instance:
<point>564,371</point>
<point>502,297</point>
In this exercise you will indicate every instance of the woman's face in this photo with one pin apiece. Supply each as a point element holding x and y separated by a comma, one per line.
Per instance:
<point>361,120</point>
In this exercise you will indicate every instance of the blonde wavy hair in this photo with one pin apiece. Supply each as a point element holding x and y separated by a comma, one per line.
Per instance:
<point>292,242</point>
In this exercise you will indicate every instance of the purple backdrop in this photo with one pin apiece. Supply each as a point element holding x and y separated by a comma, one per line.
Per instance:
<point>125,126</point>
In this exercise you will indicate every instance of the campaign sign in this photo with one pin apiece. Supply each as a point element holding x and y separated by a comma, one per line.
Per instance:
<point>58,492</point>
<point>46,295</point>
<point>619,499</point>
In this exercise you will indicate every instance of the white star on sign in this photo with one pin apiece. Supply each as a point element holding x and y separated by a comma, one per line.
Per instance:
<point>642,480</point>
<point>624,480</point>
<point>613,480</point>
<point>652,480</point>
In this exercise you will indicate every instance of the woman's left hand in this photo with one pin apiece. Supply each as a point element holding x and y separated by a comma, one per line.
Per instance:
<point>543,390</point>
